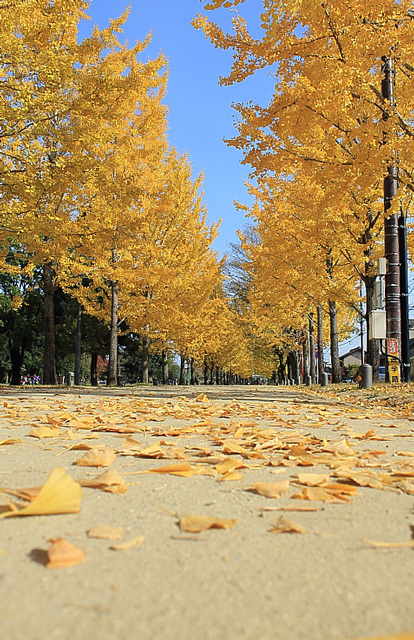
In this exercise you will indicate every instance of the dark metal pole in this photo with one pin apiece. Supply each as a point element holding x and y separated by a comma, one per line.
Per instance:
<point>405,328</point>
<point>392,253</point>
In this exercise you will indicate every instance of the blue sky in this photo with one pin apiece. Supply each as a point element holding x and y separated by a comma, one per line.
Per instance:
<point>200,112</point>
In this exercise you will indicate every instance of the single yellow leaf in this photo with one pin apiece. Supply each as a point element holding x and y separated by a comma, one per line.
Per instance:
<point>105,532</point>
<point>45,432</point>
<point>195,524</point>
<point>59,494</point>
<point>129,544</point>
<point>108,478</point>
<point>63,554</point>
<point>178,469</point>
<point>313,479</point>
<point>232,446</point>
<point>202,398</point>
<point>100,456</point>
<point>391,545</point>
<point>283,525</point>
<point>270,489</point>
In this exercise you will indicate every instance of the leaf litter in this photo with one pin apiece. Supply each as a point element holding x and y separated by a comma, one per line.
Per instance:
<point>236,441</point>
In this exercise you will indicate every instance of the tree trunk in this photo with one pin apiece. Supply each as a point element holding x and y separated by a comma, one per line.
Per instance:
<point>145,359</point>
<point>312,363</point>
<point>192,370</point>
<point>49,364</point>
<point>165,376</point>
<point>182,363</point>
<point>211,381</point>
<point>205,370</point>
<point>320,343</point>
<point>16,357</point>
<point>78,347</point>
<point>336,367</point>
<point>373,346</point>
<point>305,361</point>
<point>94,369</point>
<point>113,339</point>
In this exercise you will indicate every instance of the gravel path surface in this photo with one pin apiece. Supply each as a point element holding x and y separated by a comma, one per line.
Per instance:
<point>319,562</point>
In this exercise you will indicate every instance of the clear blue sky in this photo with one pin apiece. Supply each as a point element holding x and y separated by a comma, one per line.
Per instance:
<point>200,112</point>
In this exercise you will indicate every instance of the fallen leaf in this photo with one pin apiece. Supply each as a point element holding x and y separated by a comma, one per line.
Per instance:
<point>129,544</point>
<point>313,479</point>
<point>231,446</point>
<point>283,525</point>
<point>59,494</point>
<point>45,432</point>
<point>105,532</point>
<point>391,545</point>
<point>291,507</point>
<point>183,469</point>
<point>230,476</point>
<point>100,456</point>
<point>63,554</point>
<point>109,480</point>
<point>270,489</point>
<point>195,524</point>
<point>202,398</point>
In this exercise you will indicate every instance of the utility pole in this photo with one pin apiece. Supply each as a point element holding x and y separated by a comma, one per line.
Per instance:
<point>405,317</point>
<point>392,250</point>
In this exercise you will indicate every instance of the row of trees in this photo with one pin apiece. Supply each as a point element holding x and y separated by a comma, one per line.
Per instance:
<point>96,208</point>
<point>319,153</point>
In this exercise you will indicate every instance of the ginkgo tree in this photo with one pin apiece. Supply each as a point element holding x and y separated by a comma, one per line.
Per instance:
<point>60,104</point>
<point>328,123</point>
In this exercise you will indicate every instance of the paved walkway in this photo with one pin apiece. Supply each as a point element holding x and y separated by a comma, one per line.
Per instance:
<point>330,558</point>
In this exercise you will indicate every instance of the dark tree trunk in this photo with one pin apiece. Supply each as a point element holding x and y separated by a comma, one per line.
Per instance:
<point>336,367</point>
<point>113,338</point>
<point>373,346</point>
<point>182,364</point>
<point>16,357</point>
<point>205,370</point>
<point>78,347</point>
<point>312,363</point>
<point>165,376</point>
<point>211,381</point>
<point>49,364</point>
<point>94,369</point>
<point>145,359</point>
<point>320,343</point>
<point>192,370</point>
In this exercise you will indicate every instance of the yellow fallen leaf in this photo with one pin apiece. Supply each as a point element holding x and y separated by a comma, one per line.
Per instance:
<point>313,479</point>
<point>390,545</point>
<point>323,494</point>
<point>10,441</point>
<point>100,456</point>
<point>183,469</point>
<point>154,451</point>
<point>232,446</point>
<point>229,465</point>
<point>63,554</point>
<point>283,525</point>
<point>105,532</point>
<point>231,476</point>
<point>45,432</point>
<point>270,489</point>
<point>202,398</point>
<point>108,478</point>
<point>195,524</point>
<point>129,544</point>
<point>59,494</point>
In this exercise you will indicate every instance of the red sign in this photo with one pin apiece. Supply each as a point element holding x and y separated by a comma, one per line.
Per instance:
<point>393,346</point>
